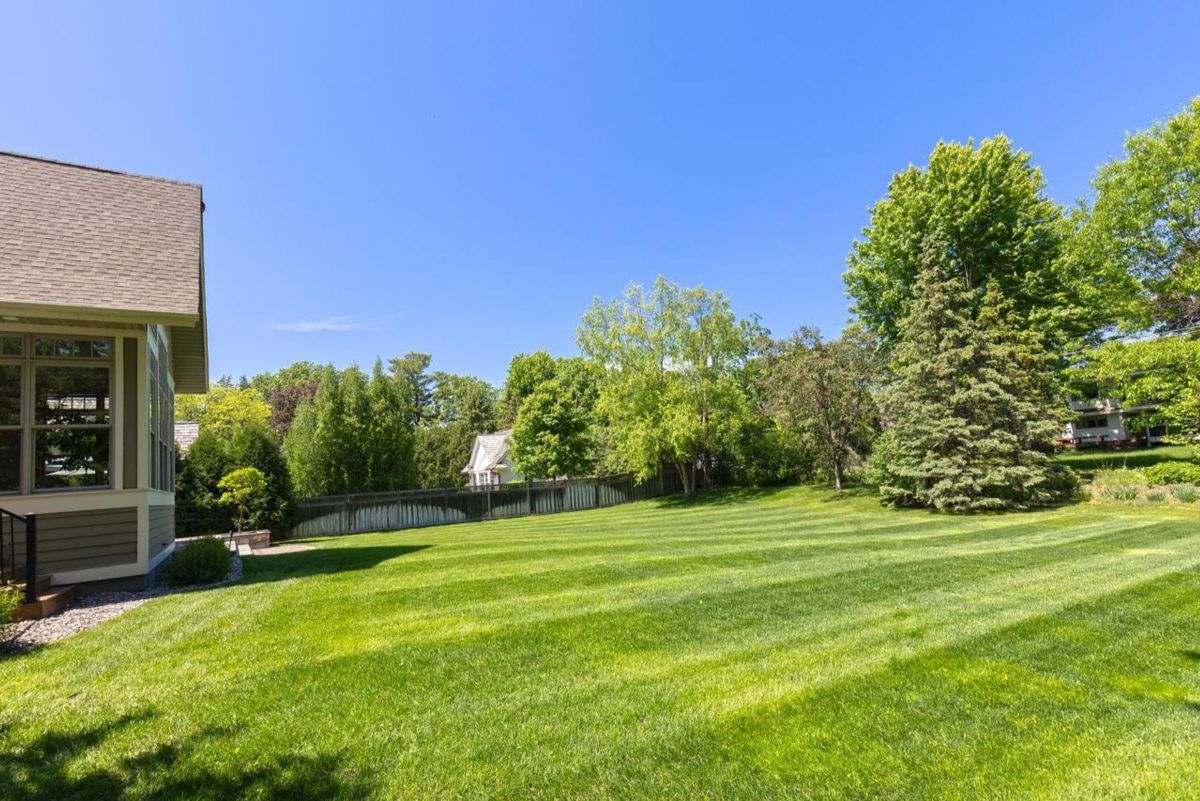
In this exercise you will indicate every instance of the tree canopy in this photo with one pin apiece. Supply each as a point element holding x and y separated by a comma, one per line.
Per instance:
<point>355,435</point>
<point>1140,239</point>
<point>822,391</point>
<point>554,434</point>
<point>985,206</point>
<point>671,394</point>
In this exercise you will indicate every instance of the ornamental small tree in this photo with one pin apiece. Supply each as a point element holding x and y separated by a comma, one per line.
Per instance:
<point>242,490</point>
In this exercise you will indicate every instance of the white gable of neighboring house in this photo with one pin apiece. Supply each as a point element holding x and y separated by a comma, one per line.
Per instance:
<point>186,432</point>
<point>490,462</point>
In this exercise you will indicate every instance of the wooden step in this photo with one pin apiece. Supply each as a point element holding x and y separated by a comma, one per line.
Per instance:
<point>50,600</point>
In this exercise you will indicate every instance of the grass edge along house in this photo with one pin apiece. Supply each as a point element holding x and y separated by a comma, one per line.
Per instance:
<point>102,321</point>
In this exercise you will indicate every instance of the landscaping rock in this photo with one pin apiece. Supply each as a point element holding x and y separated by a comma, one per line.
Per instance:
<point>89,611</point>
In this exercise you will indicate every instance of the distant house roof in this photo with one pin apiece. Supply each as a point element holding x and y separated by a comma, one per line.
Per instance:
<point>489,451</point>
<point>186,432</point>
<point>81,242</point>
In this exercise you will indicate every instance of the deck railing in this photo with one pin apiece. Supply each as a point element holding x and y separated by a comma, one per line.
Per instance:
<point>17,567</point>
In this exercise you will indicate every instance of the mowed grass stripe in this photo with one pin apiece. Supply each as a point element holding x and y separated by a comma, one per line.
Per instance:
<point>744,645</point>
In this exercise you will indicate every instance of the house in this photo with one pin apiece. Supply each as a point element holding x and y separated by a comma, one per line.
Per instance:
<point>1105,422</point>
<point>186,432</point>
<point>491,464</point>
<point>102,321</point>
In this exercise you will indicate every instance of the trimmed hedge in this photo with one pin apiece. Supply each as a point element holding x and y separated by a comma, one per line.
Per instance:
<point>200,562</point>
<point>1164,473</point>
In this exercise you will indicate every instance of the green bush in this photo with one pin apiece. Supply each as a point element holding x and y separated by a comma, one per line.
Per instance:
<point>1172,473</point>
<point>204,560</point>
<point>1185,493</point>
<point>1121,493</point>
<point>211,458</point>
<point>10,600</point>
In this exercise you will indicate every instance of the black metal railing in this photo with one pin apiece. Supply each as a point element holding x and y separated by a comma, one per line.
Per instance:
<point>16,567</point>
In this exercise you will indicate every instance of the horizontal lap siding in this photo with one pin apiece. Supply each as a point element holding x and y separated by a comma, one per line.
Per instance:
<point>81,540</point>
<point>162,529</point>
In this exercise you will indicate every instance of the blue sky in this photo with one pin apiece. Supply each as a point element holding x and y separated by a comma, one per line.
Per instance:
<point>463,179</point>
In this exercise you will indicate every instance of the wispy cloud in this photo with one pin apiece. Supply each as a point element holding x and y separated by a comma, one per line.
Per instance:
<point>328,324</point>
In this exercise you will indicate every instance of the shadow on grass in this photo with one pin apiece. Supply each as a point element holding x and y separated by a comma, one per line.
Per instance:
<point>1087,462</point>
<point>723,496</point>
<point>320,561</point>
<point>61,765</point>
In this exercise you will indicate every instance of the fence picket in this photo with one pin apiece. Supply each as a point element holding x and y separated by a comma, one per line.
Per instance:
<point>380,511</point>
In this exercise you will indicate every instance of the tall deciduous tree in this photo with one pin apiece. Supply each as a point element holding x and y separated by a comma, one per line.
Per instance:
<point>986,207</point>
<point>466,399</point>
<point>671,393</point>
<point>526,372</point>
<point>822,391</point>
<point>1140,239</point>
<point>411,372</point>
<point>974,411</point>
<point>554,434</point>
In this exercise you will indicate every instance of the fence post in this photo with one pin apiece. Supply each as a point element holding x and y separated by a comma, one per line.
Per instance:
<point>529,497</point>
<point>31,559</point>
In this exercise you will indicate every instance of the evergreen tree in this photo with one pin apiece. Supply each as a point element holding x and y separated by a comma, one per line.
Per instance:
<point>974,408</point>
<point>354,436</point>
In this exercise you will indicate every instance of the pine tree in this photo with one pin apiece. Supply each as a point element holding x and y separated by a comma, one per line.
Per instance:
<point>974,410</point>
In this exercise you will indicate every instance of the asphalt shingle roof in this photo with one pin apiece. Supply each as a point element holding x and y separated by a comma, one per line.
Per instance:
<point>490,450</point>
<point>93,238</point>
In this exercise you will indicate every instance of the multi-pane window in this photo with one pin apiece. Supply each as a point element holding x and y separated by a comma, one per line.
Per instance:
<point>162,416</point>
<point>55,405</point>
<point>12,382</point>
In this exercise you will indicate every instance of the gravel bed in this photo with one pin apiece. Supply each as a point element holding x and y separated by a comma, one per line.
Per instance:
<point>91,610</point>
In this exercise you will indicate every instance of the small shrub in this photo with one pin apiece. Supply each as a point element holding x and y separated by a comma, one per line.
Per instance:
<point>1118,477</point>
<point>1185,493</point>
<point>1172,473</point>
<point>10,600</point>
<point>1121,493</point>
<point>1156,496</point>
<point>242,490</point>
<point>205,560</point>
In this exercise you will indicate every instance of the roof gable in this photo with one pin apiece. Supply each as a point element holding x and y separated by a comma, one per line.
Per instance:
<point>73,236</point>
<point>489,451</point>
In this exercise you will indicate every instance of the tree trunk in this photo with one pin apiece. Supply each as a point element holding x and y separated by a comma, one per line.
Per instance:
<point>837,474</point>
<point>685,478</point>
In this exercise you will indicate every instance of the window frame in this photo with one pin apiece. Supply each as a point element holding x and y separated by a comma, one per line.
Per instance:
<point>30,361</point>
<point>21,363</point>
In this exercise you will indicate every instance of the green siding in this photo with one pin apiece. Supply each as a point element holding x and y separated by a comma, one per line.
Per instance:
<point>162,529</point>
<point>129,414</point>
<point>81,540</point>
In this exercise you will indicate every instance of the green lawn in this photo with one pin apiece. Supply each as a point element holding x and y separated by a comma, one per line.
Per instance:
<point>1089,460</point>
<point>746,645</point>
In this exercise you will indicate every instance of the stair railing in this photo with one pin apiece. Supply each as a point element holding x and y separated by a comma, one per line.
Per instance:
<point>8,551</point>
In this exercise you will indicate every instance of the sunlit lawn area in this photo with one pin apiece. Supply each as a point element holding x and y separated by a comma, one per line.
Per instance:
<point>746,645</point>
<point>1088,460</point>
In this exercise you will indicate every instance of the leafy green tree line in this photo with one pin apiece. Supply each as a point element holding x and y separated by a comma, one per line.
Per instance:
<point>978,304</point>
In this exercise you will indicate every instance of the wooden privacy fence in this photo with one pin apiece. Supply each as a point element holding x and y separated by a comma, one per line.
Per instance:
<point>389,511</point>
